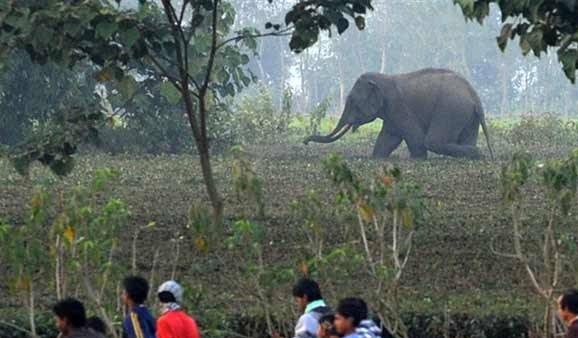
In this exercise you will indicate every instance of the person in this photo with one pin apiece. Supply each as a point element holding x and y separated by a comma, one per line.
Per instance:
<point>350,312</point>
<point>312,306</point>
<point>70,317</point>
<point>367,327</point>
<point>138,321</point>
<point>326,327</point>
<point>174,322</point>
<point>96,324</point>
<point>568,311</point>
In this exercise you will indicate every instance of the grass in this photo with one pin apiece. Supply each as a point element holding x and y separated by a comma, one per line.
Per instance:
<point>452,268</point>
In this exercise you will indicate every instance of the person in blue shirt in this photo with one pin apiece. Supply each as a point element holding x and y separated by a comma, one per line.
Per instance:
<point>138,322</point>
<point>348,316</point>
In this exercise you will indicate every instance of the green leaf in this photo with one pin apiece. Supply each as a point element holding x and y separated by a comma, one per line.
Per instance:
<point>129,37</point>
<point>106,29</point>
<point>360,22</point>
<point>466,5</point>
<point>535,40</point>
<point>569,58</point>
<point>172,94</point>
<point>505,35</point>
<point>342,25</point>
<point>127,87</point>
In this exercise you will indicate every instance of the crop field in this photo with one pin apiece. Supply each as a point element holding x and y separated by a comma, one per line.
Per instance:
<point>455,266</point>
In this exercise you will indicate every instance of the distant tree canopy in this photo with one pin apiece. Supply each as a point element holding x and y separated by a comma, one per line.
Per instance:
<point>539,24</point>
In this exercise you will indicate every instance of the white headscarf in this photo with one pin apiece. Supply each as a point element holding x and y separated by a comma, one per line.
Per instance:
<point>176,290</point>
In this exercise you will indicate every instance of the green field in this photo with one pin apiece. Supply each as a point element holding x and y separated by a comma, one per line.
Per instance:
<point>451,270</point>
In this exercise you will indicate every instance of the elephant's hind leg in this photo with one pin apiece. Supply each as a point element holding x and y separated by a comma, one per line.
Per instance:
<point>444,139</point>
<point>386,143</point>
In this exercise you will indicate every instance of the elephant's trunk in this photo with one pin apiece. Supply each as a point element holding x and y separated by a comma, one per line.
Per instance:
<point>335,135</point>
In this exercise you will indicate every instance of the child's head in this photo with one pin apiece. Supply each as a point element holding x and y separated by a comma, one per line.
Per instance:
<point>70,314</point>
<point>306,291</point>
<point>96,324</point>
<point>326,328</point>
<point>568,305</point>
<point>350,312</point>
<point>136,290</point>
<point>170,292</point>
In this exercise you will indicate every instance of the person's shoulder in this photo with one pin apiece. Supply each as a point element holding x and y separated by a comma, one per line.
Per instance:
<point>354,335</point>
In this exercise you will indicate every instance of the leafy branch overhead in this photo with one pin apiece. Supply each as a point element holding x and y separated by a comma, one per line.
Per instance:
<point>539,25</point>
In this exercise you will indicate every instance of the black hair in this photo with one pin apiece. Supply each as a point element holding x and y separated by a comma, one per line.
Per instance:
<point>72,310</point>
<point>327,318</point>
<point>166,297</point>
<point>327,321</point>
<point>96,324</point>
<point>354,308</point>
<point>569,301</point>
<point>137,288</point>
<point>307,287</point>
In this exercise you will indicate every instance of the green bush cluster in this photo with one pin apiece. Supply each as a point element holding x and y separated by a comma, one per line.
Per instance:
<point>534,131</point>
<point>249,120</point>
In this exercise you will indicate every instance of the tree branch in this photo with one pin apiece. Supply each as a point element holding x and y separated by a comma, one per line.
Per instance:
<point>284,32</point>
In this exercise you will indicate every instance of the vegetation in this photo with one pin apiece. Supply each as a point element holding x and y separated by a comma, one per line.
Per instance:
<point>540,25</point>
<point>445,288</point>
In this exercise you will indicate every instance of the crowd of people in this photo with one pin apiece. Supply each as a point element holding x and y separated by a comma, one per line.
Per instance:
<point>350,319</point>
<point>173,322</point>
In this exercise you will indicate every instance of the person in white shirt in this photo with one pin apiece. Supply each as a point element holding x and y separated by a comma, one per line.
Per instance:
<point>312,306</point>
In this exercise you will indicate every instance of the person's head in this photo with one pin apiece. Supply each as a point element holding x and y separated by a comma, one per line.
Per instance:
<point>568,305</point>
<point>96,324</point>
<point>70,314</point>
<point>326,328</point>
<point>135,290</point>
<point>350,312</point>
<point>306,291</point>
<point>170,292</point>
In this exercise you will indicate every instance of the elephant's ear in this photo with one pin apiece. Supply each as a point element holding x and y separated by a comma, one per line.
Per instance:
<point>375,96</point>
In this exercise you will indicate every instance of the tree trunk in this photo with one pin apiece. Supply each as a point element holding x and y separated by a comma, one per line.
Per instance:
<point>204,157</point>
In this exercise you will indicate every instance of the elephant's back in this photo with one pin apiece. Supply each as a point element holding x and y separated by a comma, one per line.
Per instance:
<point>430,90</point>
<point>438,82</point>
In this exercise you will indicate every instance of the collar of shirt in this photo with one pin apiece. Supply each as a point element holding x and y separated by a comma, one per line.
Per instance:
<point>314,305</point>
<point>573,320</point>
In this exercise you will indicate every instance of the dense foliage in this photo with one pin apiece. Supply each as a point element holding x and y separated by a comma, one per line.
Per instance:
<point>539,24</point>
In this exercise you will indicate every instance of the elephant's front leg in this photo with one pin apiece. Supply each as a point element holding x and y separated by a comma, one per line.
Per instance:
<point>386,143</point>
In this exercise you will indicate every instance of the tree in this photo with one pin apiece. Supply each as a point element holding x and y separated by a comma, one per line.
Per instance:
<point>184,46</point>
<point>540,24</point>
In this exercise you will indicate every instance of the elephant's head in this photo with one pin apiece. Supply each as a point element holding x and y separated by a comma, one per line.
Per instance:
<point>363,104</point>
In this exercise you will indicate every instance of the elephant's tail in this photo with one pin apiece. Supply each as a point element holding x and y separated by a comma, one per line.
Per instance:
<point>480,113</point>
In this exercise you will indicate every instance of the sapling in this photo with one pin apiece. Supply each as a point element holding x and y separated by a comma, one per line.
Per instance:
<point>559,181</point>
<point>385,205</point>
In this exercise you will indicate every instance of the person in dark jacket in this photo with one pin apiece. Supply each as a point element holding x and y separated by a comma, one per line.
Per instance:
<point>138,322</point>
<point>568,311</point>
<point>71,320</point>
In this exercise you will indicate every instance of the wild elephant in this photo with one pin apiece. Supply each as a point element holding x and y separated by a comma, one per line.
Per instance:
<point>430,109</point>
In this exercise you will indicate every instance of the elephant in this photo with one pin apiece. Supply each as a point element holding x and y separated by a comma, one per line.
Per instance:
<point>433,110</point>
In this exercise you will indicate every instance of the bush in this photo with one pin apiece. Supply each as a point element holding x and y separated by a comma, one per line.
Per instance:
<point>533,131</point>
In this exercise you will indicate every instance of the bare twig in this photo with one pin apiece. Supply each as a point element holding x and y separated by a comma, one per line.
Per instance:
<point>240,37</point>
